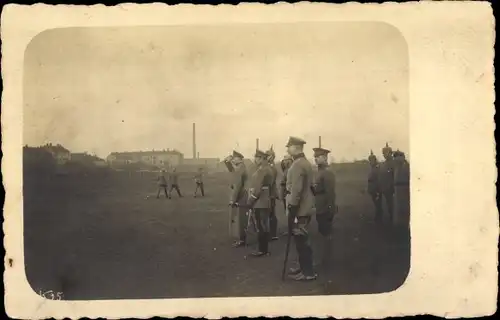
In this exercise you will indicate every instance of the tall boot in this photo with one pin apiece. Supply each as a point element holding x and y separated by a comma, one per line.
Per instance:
<point>327,252</point>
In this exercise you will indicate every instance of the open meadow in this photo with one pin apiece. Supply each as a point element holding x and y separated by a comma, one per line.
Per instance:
<point>98,236</point>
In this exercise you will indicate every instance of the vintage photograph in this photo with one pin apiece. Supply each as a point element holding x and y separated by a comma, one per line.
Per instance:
<point>303,160</point>
<point>216,161</point>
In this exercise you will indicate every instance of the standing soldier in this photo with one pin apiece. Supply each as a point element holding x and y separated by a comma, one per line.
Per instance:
<point>273,220</point>
<point>373,186</point>
<point>237,201</point>
<point>162,184</point>
<point>325,196</point>
<point>285,165</point>
<point>402,190</point>
<point>300,200</point>
<point>259,201</point>
<point>386,180</point>
<point>198,179</point>
<point>174,183</point>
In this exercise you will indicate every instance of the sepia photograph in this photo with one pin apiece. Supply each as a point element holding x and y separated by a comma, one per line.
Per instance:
<point>215,160</point>
<point>227,157</point>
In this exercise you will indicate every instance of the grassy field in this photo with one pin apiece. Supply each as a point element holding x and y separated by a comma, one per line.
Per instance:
<point>97,236</point>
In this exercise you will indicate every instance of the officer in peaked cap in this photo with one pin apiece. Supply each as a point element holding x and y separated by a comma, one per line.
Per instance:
<point>325,196</point>
<point>238,198</point>
<point>386,181</point>
<point>300,200</point>
<point>373,185</point>
<point>259,200</point>
<point>273,220</point>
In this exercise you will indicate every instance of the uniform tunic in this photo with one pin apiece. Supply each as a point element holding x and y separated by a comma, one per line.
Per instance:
<point>238,194</point>
<point>299,180</point>
<point>273,221</point>
<point>259,199</point>
<point>374,190</point>
<point>386,183</point>
<point>324,190</point>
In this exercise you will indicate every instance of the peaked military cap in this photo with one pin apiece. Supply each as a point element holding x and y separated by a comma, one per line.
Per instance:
<point>236,154</point>
<point>294,141</point>
<point>320,152</point>
<point>260,154</point>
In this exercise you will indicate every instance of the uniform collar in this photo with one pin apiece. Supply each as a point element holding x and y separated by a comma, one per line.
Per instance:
<point>322,166</point>
<point>300,155</point>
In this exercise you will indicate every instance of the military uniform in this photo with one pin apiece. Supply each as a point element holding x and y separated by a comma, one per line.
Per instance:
<point>325,196</point>
<point>386,181</point>
<point>198,179</point>
<point>259,200</point>
<point>300,201</point>
<point>374,187</point>
<point>162,185</point>
<point>174,184</point>
<point>285,165</point>
<point>273,220</point>
<point>402,190</point>
<point>237,200</point>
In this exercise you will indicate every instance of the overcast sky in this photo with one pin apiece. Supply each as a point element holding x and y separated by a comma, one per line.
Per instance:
<point>139,88</point>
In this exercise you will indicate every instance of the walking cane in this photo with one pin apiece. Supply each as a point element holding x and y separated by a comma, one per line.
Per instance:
<point>287,250</point>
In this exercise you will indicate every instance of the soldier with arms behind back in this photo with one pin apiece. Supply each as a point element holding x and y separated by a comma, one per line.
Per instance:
<point>325,196</point>
<point>259,200</point>
<point>401,191</point>
<point>300,200</point>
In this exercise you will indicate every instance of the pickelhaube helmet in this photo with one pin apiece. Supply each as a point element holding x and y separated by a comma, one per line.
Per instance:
<point>270,154</point>
<point>372,157</point>
<point>386,149</point>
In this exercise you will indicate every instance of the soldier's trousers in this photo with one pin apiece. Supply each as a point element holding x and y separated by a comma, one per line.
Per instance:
<point>199,185</point>
<point>273,220</point>
<point>402,206</point>
<point>262,217</point>
<point>160,188</point>
<point>377,202</point>
<point>303,245</point>
<point>238,223</point>
<point>176,187</point>
<point>389,202</point>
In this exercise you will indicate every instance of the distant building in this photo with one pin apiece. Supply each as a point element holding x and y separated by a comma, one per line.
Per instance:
<point>88,159</point>
<point>162,158</point>
<point>58,152</point>
<point>207,163</point>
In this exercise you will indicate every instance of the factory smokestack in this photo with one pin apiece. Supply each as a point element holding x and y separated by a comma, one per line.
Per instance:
<point>319,142</point>
<point>257,144</point>
<point>194,141</point>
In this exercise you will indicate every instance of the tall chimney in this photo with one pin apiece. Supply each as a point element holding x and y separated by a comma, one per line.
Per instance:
<point>194,141</point>
<point>198,155</point>
<point>319,142</point>
<point>257,143</point>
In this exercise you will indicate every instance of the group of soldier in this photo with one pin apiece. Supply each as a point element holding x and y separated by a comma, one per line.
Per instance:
<point>253,202</point>
<point>389,183</point>
<point>171,179</point>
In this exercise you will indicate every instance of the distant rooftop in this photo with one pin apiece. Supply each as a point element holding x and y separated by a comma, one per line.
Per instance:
<point>148,153</point>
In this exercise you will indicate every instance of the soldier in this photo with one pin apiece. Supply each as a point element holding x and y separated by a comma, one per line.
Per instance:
<point>300,200</point>
<point>402,190</point>
<point>174,183</point>
<point>198,179</point>
<point>259,200</point>
<point>373,186</point>
<point>325,196</point>
<point>285,165</point>
<point>235,165</point>
<point>273,220</point>
<point>386,180</point>
<point>162,184</point>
